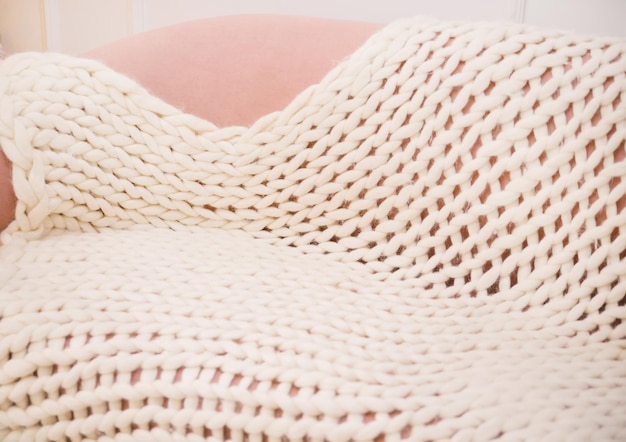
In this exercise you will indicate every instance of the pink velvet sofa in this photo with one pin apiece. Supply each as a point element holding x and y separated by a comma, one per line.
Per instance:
<point>232,70</point>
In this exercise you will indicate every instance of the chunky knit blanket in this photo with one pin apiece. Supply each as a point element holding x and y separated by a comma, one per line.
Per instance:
<point>427,245</point>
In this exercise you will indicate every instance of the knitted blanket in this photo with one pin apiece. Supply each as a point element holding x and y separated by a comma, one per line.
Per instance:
<point>427,245</point>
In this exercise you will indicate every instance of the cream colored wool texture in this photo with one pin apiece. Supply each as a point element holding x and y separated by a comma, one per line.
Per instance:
<point>427,245</point>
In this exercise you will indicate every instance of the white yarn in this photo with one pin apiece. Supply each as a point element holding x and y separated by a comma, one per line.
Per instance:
<point>427,245</point>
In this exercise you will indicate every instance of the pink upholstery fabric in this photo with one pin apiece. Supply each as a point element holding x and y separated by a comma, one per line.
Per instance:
<point>232,70</point>
<point>7,198</point>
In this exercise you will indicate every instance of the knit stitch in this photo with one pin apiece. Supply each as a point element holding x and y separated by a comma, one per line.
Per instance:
<point>427,245</point>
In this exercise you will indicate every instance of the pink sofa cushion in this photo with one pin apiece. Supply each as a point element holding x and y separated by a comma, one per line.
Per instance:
<point>232,70</point>
<point>7,197</point>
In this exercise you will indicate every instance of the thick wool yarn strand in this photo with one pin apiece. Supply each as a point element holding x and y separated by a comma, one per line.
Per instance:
<point>429,244</point>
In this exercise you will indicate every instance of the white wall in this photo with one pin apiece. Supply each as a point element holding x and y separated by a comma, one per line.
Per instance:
<point>157,13</point>
<point>75,26</point>
<point>599,17</point>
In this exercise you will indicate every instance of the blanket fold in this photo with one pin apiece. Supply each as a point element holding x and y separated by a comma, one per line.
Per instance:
<point>429,244</point>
